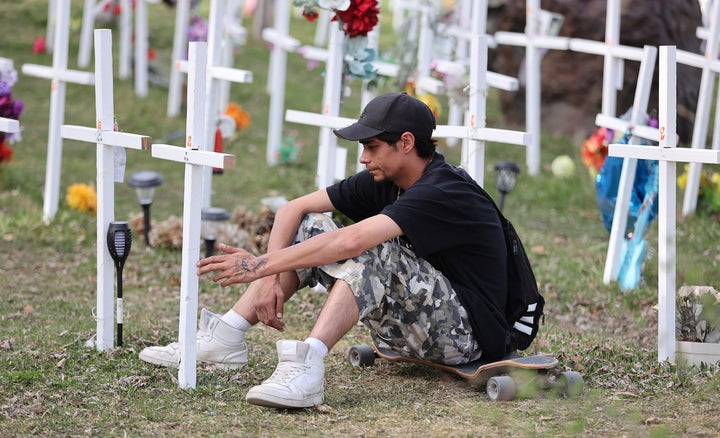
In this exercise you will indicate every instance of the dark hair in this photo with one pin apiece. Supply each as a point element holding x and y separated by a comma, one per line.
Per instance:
<point>425,146</point>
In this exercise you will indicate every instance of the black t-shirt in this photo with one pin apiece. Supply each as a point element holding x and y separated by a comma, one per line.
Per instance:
<point>450,223</point>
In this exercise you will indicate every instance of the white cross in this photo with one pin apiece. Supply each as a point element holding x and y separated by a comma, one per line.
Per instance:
<point>180,44</point>
<point>668,155</point>
<point>195,160</point>
<point>475,132</point>
<point>90,9</point>
<point>216,74</point>
<point>627,174</point>
<point>536,41</point>
<point>9,126</point>
<point>281,43</point>
<point>110,166</point>
<point>59,76</point>
<point>710,65</point>
<point>614,54</point>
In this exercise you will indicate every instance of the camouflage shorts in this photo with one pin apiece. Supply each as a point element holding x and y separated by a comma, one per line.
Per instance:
<point>407,304</point>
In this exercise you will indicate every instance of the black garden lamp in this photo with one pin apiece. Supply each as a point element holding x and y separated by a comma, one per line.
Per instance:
<point>119,239</point>
<point>506,173</point>
<point>211,219</point>
<point>144,183</point>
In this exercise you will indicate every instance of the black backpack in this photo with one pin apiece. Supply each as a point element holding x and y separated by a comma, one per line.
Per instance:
<point>524,308</point>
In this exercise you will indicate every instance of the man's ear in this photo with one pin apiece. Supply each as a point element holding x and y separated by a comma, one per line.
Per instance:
<point>408,141</point>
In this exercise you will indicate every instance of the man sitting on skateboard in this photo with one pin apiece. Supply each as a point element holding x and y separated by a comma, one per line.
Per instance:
<point>423,266</point>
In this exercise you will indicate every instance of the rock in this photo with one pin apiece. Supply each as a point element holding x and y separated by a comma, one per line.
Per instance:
<point>572,81</point>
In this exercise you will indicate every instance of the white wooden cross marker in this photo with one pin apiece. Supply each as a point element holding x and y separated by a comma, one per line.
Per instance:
<point>216,73</point>
<point>110,169</point>
<point>710,65</point>
<point>59,76</point>
<point>536,41</point>
<point>627,175</point>
<point>614,56</point>
<point>90,9</point>
<point>180,44</point>
<point>9,126</point>
<point>195,159</point>
<point>668,155</point>
<point>282,43</point>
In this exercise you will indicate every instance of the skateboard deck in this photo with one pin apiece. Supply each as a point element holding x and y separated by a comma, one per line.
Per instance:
<point>497,376</point>
<point>478,371</point>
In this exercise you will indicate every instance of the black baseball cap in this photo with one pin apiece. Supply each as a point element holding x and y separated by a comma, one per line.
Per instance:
<point>394,113</point>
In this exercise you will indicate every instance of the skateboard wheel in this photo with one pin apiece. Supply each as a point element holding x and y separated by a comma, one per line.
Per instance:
<point>361,356</point>
<point>569,384</point>
<point>501,388</point>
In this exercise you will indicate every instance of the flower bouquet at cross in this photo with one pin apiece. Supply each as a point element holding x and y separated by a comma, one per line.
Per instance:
<point>357,18</point>
<point>9,108</point>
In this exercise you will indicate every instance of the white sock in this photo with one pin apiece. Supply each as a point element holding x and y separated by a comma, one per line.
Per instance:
<point>235,320</point>
<point>318,346</point>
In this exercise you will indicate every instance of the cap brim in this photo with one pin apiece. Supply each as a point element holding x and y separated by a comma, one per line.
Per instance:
<point>356,132</point>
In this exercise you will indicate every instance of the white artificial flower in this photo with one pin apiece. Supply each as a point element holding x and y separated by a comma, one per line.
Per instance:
<point>337,5</point>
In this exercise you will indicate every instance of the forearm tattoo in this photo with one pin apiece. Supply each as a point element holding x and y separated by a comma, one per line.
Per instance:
<point>244,266</point>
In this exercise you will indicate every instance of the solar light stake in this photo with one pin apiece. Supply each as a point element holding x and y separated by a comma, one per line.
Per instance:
<point>119,240</point>
<point>505,178</point>
<point>144,183</point>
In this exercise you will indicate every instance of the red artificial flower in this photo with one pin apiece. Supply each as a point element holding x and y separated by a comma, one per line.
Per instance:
<point>39,46</point>
<point>360,18</point>
<point>310,13</point>
<point>5,151</point>
<point>595,149</point>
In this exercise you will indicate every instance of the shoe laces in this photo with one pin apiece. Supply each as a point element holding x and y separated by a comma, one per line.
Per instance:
<point>286,371</point>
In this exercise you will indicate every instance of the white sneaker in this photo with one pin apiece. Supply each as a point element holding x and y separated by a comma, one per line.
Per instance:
<point>297,381</point>
<point>217,344</point>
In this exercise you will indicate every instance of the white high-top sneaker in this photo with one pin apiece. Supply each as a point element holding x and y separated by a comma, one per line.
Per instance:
<point>217,344</point>
<point>297,381</point>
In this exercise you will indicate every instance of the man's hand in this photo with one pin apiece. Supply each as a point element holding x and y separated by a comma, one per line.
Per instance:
<point>235,266</point>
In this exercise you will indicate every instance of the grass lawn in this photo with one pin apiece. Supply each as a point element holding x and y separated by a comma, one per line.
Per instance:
<point>52,385</point>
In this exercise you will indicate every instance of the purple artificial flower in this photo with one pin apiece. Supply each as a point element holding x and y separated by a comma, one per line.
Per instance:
<point>4,88</point>
<point>6,105</point>
<point>18,107</point>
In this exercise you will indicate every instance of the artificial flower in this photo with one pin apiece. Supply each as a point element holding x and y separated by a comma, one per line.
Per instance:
<point>82,197</point>
<point>241,117</point>
<point>360,18</point>
<point>6,152</point>
<point>595,149</point>
<point>9,108</point>
<point>39,46</point>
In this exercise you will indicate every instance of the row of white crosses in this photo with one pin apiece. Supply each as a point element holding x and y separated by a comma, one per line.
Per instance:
<point>710,66</point>
<point>59,76</point>
<point>540,30</point>
<point>612,80</point>
<point>90,10</point>
<point>668,155</point>
<point>474,131</point>
<point>140,45</point>
<point>217,75</point>
<point>110,168</point>
<point>224,31</point>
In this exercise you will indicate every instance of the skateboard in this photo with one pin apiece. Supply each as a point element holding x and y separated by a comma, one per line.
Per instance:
<point>502,378</point>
